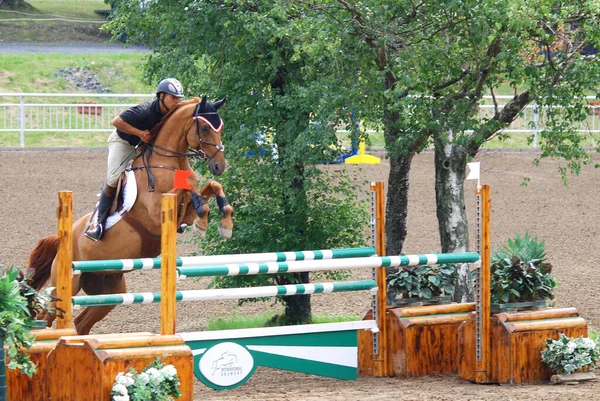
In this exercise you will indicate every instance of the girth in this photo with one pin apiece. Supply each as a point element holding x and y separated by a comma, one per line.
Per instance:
<point>150,242</point>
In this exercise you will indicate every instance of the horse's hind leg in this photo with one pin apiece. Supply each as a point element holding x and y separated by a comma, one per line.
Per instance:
<point>96,285</point>
<point>213,188</point>
<point>53,283</point>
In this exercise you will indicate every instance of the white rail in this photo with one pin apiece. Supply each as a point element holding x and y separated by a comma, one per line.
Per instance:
<point>35,112</point>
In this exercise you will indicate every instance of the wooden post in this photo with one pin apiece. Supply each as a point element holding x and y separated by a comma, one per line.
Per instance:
<point>482,362</point>
<point>64,285</point>
<point>381,359</point>
<point>169,264</point>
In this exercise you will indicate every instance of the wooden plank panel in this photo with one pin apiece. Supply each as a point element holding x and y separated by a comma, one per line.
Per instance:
<point>548,313</point>
<point>81,372</point>
<point>434,309</point>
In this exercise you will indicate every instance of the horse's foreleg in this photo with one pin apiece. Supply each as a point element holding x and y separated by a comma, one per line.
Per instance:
<point>213,188</point>
<point>199,203</point>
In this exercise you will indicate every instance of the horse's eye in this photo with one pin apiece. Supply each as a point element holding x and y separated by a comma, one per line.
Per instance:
<point>205,129</point>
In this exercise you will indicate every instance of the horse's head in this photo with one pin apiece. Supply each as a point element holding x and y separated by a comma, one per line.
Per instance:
<point>204,135</point>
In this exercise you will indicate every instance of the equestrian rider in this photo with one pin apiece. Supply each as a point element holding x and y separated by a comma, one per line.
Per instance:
<point>132,127</point>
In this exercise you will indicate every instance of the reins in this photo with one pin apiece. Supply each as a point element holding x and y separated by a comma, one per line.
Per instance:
<point>166,152</point>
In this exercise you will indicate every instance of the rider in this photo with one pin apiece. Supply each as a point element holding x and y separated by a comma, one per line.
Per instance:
<point>132,127</point>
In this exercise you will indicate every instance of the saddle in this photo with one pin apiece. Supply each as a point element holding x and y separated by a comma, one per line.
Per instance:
<point>122,204</point>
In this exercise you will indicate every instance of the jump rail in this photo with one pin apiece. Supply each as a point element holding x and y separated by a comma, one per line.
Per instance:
<point>227,293</point>
<point>155,263</point>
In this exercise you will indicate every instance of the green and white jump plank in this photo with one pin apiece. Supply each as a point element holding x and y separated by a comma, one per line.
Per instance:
<point>155,263</point>
<point>227,293</point>
<point>233,269</point>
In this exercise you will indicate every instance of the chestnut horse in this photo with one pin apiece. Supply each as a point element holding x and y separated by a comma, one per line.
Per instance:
<point>192,129</point>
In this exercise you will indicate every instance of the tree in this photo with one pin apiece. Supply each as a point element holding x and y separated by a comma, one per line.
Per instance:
<point>16,5</point>
<point>438,60</point>
<point>288,83</point>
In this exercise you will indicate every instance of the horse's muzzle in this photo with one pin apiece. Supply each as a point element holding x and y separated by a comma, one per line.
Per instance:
<point>217,167</point>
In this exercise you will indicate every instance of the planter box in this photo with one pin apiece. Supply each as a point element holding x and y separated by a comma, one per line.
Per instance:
<point>22,387</point>
<point>422,340</point>
<point>95,110</point>
<point>85,367</point>
<point>516,342</point>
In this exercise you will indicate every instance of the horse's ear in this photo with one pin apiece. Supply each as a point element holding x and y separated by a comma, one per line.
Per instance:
<point>203,103</point>
<point>220,103</point>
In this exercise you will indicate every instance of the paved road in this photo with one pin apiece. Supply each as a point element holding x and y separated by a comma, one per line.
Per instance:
<point>79,48</point>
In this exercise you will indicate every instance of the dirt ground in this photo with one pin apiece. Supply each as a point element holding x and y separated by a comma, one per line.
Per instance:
<point>565,218</point>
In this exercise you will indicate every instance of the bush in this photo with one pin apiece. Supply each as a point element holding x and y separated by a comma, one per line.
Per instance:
<point>423,281</point>
<point>566,355</point>
<point>520,272</point>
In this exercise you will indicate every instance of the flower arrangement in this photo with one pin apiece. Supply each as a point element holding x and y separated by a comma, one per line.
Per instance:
<point>157,382</point>
<point>566,355</point>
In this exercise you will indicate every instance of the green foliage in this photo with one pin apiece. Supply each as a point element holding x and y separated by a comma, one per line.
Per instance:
<point>520,272</point>
<point>15,320</point>
<point>157,382</point>
<point>288,81</point>
<point>423,281</point>
<point>526,248</point>
<point>567,355</point>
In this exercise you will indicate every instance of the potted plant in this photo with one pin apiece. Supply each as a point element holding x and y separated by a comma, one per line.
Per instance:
<point>568,356</point>
<point>18,305</point>
<point>158,382</point>
<point>422,284</point>
<point>521,276</point>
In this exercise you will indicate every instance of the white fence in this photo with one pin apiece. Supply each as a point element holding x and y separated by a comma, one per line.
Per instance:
<point>35,112</point>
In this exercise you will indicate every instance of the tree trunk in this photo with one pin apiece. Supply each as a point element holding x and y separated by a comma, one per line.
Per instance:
<point>298,307</point>
<point>450,167</point>
<point>397,203</point>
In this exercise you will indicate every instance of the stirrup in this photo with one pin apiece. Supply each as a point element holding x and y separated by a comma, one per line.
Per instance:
<point>96,233</point>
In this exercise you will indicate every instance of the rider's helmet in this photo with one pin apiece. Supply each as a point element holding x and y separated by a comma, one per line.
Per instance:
<point>170,86</point>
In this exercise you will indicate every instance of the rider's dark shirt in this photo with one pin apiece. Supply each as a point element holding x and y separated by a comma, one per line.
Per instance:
<point>143,117</point>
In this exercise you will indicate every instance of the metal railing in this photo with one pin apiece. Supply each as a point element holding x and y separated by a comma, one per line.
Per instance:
<point>35,112</point>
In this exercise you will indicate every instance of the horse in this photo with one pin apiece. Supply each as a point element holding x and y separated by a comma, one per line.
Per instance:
<point>192,129</point>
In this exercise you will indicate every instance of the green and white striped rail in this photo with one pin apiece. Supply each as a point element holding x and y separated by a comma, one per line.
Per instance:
<point>232,269</point>
<point>227,293</point>
<point>155,263</point>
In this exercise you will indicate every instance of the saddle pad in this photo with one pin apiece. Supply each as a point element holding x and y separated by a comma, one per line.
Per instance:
<point>129,196</point>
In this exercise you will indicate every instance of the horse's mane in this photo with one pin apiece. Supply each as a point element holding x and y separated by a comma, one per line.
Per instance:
<point>166,117</point>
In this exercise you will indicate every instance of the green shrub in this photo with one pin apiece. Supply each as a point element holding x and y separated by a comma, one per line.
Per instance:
<point>423,281</point>
<point>520,272</point>
<point>566,355</point>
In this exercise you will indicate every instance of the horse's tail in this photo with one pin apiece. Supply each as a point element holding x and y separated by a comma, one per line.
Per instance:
<point>40,261</point>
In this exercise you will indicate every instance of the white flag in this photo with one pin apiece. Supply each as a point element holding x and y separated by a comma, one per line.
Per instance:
<point>474,173</point>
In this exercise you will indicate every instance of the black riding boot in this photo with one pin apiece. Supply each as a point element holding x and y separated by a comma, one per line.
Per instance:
<point>107,196</point>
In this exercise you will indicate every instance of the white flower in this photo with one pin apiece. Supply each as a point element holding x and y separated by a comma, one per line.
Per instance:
<point>571,346</point>
<point>121,398</point>
<point>143,378</point>
<point>126,380</point>
<point>589,343</point>
<point>155,376</point>
<point>119,388</point>
<point>169,372</point>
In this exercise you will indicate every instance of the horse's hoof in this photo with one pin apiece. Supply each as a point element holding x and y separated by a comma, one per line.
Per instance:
<point>200,232</point>
<point>225,232</point>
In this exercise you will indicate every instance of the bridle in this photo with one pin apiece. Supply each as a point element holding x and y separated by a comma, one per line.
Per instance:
<point>195,152</point>
<point>210,118</point>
